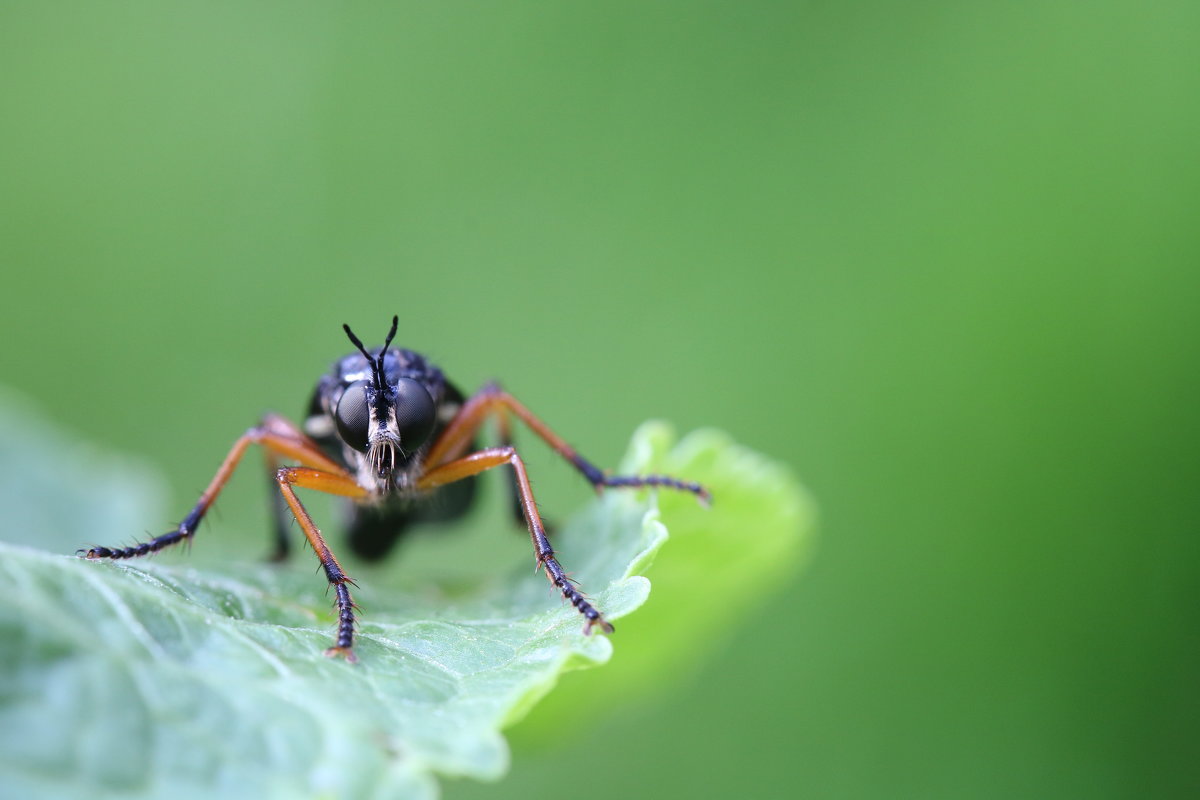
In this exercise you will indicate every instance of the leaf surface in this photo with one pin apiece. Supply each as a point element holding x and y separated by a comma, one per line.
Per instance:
<point>154,677</point>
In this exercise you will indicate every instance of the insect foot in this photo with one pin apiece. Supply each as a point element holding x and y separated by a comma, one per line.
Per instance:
<point>345,652</point>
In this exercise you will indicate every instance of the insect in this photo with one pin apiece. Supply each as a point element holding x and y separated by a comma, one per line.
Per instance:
<point>387,430</point>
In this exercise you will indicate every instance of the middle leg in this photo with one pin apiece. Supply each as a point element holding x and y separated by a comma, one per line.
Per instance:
<point>278,437</point>
<point>492,400</point>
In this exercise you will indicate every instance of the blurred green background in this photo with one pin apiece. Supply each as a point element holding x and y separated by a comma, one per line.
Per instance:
<point>939,257</point>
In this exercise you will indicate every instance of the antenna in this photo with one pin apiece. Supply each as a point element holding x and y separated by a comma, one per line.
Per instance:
<point>377,362</point>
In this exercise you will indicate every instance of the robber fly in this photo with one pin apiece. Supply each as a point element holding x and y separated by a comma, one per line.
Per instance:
<point>388,431</point>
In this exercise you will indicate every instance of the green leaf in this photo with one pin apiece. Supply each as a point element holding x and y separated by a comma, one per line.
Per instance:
<point>718,562</point>
<point>153,677</point>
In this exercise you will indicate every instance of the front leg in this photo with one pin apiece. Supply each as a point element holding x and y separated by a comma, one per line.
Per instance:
<point>543,553</point>
<point>337,577</point>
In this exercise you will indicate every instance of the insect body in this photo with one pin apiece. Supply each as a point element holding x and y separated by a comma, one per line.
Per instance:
<point>388,431</point>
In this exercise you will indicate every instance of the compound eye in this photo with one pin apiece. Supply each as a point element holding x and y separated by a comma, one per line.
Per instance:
<point>353,416</point>
<point>416,413</point>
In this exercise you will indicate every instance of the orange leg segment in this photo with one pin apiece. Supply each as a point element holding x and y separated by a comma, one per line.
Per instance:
<point>279,510</point>
<point>543,553</point>
<point>277,436</point>
<point>492,400</point>
<point>290,477</point>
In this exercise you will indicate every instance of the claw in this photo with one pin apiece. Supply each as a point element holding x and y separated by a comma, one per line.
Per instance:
<point>345,652</point>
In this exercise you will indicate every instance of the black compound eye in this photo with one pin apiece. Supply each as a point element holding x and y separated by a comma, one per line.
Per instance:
<point>416,413</point>
<point>353,416</point>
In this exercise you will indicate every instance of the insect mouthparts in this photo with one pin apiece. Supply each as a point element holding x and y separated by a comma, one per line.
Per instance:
<point>382,453</point>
